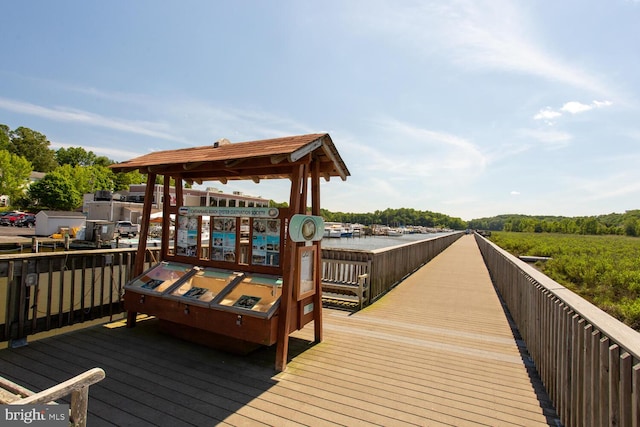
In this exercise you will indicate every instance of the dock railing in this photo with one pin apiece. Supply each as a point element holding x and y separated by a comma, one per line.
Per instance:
<point>589,362</point>
<point>389,266</point>
<point>49,290</point>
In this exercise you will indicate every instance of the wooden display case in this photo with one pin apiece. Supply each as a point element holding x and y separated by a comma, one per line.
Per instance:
<point>204,286</point>
<point>235,275</point>
<point>160,278</point>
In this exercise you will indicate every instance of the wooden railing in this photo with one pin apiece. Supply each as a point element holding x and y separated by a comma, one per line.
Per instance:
<point>45,291</point>
<point>76,387</point>
<point>589,362</point>
<point>390,265</point>
<point>51,290</point>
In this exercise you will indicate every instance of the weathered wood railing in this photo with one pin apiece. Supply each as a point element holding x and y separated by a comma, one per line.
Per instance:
<point>50,290</point>
<point>589,361</point>
<point>390,265</point>
<point>76,387</point>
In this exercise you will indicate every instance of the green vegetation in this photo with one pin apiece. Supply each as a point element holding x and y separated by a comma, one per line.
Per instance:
<point>627,224</point>
<point>397,217</point>
<point>71,172</point>
<point>604,270</point>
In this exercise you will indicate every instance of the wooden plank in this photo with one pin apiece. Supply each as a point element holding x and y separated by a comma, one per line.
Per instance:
<point>626,361</point>
<point>614,385</point>
<point>635,408</point>
<point>603,378</point>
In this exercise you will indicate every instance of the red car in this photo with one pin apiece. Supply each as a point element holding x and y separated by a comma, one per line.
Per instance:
<point>11,217</point>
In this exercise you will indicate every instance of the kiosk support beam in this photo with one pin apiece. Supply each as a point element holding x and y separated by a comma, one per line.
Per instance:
<point>284,320</point>
<point>138,267</point>
<point>315,210</point>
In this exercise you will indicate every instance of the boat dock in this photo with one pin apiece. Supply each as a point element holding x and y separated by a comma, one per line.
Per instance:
<point>438,349</point>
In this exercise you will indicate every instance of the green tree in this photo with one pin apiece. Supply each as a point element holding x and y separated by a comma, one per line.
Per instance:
<point>102,161</point>
<point>4,137</point>
<point>123,180</point>
<point>75,156</point>
<point>88,179</point>
<point>55,191</point>
<point>14,175</point>
<point>33,146</point>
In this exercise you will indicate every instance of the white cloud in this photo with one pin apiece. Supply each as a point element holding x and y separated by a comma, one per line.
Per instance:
<point>571,107</point>
<point>547,114</point>
<point>64,114</point>
<point>575,107</point>
<point>515,193</point>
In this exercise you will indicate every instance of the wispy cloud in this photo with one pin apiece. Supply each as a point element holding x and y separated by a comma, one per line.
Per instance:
<point>412,151</point>
<point>550,139</point>
<point>116,154</point>
<point>65,114</point>
<point>481,34</point>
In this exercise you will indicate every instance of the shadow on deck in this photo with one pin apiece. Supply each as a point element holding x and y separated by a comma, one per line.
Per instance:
<point>436,350</point>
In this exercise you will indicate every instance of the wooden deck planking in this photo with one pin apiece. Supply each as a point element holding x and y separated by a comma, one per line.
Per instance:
<point>436,350</point>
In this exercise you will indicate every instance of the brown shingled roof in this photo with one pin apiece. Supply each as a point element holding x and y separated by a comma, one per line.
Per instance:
<point>264,159</point>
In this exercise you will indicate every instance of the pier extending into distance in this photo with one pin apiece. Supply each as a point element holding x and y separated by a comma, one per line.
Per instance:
<point>472,337</point>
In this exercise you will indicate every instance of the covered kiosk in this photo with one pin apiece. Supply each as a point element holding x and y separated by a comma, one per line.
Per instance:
<point>236,276</point>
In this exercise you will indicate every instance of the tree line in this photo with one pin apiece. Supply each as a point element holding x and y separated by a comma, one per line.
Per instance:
<point>72,172</point>
<point>69,172</point>
<point>627,223</point>
<point>397,218</point>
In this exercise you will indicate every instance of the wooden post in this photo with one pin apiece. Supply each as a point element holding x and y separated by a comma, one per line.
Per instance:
<point>138,268</point>
<point>284,320</point>
<point>144,232</point>
<point>166,219</point>
<point>317,297</point>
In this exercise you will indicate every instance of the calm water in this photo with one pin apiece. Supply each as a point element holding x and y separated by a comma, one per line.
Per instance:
<point>375,242</point>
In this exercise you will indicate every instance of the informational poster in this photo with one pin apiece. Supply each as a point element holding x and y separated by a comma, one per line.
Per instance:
<point>306,268</point>
<point>187,235</point>
<point>223,246</point>
<point>265,248</point>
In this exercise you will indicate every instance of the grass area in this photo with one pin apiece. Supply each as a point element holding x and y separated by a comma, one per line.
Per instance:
<point>604,270</point>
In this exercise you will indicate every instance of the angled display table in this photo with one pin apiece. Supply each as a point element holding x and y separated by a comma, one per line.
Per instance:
<point>242,276</point>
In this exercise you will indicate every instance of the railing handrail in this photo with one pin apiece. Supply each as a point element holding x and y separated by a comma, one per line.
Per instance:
<point>587,360</point>
<point>623,335</point>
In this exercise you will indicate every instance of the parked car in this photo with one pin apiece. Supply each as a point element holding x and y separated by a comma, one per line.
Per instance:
<point>11,217</point>
<point>126,228</point>
<point>28,220</point>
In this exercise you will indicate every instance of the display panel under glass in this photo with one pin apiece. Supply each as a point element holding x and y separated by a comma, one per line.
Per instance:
<point>257,294</point>
<point>160,278</point>
<point>205,285</point>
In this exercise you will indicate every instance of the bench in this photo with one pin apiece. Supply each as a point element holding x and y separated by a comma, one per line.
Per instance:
<point>78,387</point>
<point>344,280</point>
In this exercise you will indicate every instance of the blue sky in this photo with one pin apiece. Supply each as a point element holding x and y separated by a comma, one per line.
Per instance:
<point>469,108</point>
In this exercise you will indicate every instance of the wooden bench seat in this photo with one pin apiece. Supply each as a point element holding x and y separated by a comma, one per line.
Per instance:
<point>344,280</point>
<point>78,387</point>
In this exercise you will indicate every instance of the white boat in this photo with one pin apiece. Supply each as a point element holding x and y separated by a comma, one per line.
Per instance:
<point>394,232</point>
<point>332,229</point>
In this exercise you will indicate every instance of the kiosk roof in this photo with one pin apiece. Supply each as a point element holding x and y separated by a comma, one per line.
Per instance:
<point>255,160</point>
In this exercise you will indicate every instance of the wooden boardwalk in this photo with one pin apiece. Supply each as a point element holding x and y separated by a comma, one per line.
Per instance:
<point>437,350</point>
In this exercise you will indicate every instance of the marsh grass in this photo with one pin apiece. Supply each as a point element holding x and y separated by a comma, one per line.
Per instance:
<point>604,270</point>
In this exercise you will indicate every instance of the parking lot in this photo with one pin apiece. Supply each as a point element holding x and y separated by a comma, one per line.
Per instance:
<point>19,235</point>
